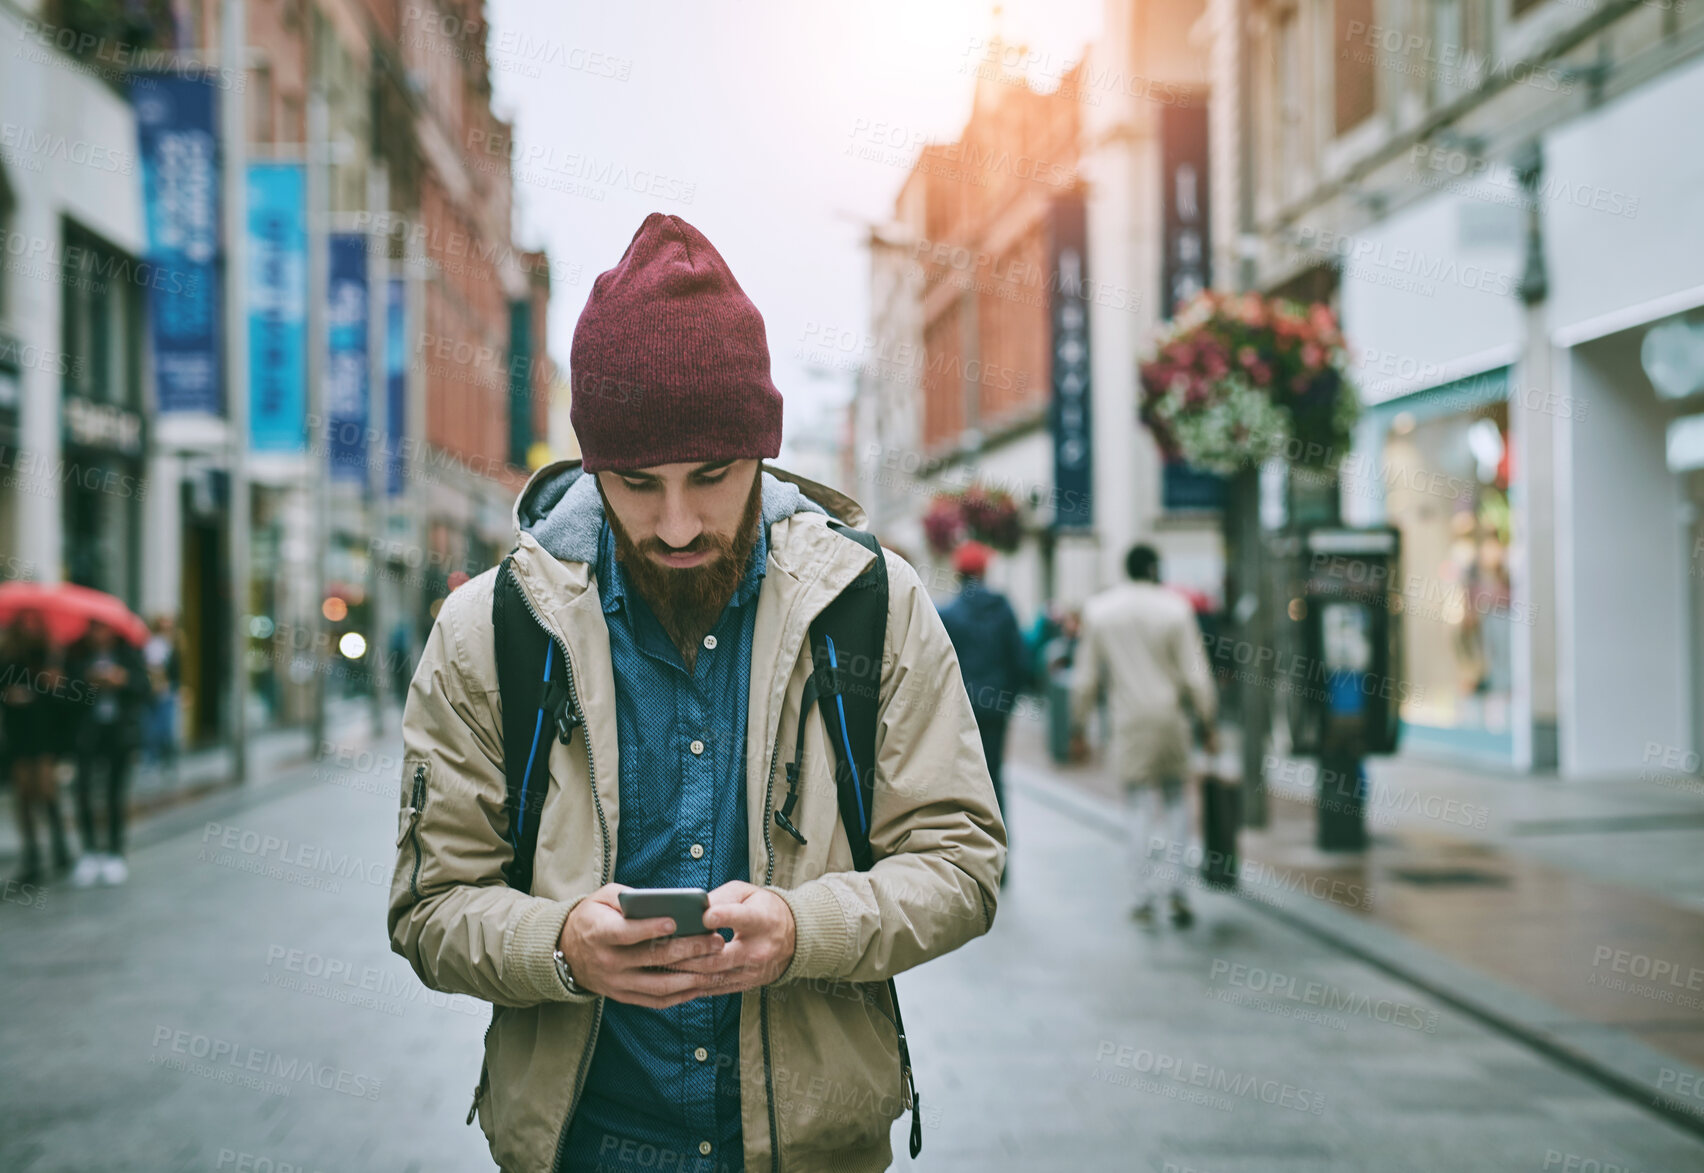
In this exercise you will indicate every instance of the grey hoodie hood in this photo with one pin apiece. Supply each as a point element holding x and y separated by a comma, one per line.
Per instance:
<point>563,510</point>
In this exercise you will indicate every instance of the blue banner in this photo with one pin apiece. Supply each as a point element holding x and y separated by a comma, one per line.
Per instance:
<point>277,307</point>
<point>346,365</point>
<point>396,384</point>
<point>176,120</point>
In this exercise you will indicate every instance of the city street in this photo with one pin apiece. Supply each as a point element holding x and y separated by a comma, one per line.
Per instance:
<point>235,1007</point>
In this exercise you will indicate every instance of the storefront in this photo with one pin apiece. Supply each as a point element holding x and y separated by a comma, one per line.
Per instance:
<point>1625,247</point>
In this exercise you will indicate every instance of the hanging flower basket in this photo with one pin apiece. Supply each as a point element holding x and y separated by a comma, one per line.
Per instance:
<point>990,516</point>
<point>943,525</point>
<point>1237,380</point>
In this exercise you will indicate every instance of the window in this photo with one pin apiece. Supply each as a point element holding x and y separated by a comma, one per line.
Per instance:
<point>1461,29</point>
<point>259,101</point>
<point>101,327</point>
<point>8,208</point>
<point>1288,83</point>
<point>1356,59</point>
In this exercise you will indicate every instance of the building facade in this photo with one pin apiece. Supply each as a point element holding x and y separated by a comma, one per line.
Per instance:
<point>453,395</point>
<point>1498,194</point>
<point>1018,284</point>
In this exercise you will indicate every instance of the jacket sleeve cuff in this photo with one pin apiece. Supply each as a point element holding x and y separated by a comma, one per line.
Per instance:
<point>822,934</point>
<point>529,962</point>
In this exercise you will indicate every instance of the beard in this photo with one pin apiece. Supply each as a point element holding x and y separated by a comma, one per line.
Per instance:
<point>687,600</point>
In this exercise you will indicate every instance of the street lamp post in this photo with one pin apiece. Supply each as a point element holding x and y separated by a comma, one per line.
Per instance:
<point>234,132</point>
<point>318,454</point>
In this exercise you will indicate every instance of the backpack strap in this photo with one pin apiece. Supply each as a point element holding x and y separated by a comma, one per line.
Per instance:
<point>847,639</point>
<point>847,643</point>
<point>532,680</point>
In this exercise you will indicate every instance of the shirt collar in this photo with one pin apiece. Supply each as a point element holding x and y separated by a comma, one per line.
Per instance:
<point>612,581</point>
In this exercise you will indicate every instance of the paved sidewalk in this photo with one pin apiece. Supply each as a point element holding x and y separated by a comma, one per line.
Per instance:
<point>1570,914</point>
<point>1065,1040</point>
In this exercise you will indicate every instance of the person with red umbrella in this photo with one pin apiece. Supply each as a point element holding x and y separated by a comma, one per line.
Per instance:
<point>37,703</point>
<point>114,676</point>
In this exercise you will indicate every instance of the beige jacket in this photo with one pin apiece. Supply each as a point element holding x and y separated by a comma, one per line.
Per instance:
<point>1142,641</point>
<point>820,1081</point>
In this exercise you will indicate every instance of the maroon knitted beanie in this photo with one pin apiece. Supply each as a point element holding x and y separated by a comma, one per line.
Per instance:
<point>670,361</point>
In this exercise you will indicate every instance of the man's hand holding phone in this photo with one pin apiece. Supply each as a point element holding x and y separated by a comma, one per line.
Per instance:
<point>640,962</point>
<point>764,938</point>
<point>632,960</point>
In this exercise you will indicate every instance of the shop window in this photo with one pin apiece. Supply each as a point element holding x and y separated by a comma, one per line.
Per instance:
<point>1356,61</point>
<point>1446,481</point>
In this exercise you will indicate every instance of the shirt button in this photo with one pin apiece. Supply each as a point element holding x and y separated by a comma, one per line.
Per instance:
<point>704,1147</point>
<point>697,851</point>
<point>701,1054</point>
<point>710,642</point>
<point>697,746</point>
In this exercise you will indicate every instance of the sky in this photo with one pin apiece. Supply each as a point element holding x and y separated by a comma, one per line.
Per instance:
<point>755,121</point>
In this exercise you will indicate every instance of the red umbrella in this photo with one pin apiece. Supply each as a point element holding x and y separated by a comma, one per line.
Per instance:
<point>69,609</point>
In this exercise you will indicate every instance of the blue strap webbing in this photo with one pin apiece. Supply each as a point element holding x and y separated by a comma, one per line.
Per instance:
<point>846,738</point>
<point>538,728</point>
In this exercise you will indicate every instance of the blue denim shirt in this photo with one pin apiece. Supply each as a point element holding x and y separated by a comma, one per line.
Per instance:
<point>664,1083</point>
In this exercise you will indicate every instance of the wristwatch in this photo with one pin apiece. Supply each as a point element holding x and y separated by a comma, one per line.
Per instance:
<point>567,978</point>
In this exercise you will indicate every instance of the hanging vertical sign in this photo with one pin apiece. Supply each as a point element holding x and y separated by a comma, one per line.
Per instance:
<point>396,384</point>
<point>1183,194</point>
<point>277,307</point>
<point>1069,412</point>
<point>1185,268</point>
<point>346,360</point>
<point>176,132</point>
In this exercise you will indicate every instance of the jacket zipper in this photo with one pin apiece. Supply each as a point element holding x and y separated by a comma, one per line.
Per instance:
<point>484,1068</point>
<point>603,833</point>
<point>763,994</point>
<point>418,801</point>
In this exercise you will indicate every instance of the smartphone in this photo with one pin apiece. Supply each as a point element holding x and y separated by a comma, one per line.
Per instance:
<point>684,905</point>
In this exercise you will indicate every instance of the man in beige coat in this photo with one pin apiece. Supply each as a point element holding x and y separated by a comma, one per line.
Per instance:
<point>1141,641</point>
<point>677,578</point>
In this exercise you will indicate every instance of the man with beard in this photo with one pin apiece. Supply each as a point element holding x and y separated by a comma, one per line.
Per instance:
<point>677,578</point>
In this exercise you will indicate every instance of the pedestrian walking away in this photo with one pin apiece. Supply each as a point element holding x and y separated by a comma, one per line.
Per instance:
<point>647,675</point>
<point>165,676</point>
<point>113,675</point>
<point>992,656</point>
<point>1141,641</point>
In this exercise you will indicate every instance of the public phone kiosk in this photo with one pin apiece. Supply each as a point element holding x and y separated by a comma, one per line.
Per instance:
<point>1350,612</point>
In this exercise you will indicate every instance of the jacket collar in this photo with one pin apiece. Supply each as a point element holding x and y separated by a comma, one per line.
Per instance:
<point>561,507</point>
<point>558,516</point>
